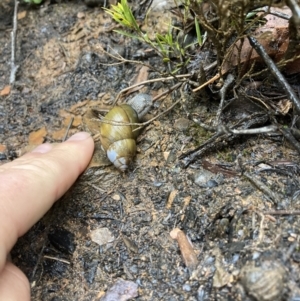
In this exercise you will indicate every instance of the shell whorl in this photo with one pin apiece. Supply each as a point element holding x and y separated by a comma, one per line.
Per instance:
<point>119,140</point>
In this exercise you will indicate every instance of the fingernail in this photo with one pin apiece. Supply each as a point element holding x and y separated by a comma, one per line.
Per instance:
<point>79,136</point>
<point>43,148</point>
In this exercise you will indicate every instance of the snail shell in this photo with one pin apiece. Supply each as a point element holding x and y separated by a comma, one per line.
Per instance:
<point>119,140</point>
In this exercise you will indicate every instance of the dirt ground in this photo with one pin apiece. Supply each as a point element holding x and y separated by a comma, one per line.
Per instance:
<point>246,242</point>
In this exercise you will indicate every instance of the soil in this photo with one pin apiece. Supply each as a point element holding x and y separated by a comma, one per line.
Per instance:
<point>244,228</point>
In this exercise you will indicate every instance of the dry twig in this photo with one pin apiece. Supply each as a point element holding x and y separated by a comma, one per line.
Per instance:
<point>68,129</point>
<point>161,79</point>
<point>14,67</point>
<point>188,254</point>
<point>282,212</point>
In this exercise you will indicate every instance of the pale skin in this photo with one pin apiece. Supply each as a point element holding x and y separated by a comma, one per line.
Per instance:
<point>29,186</point>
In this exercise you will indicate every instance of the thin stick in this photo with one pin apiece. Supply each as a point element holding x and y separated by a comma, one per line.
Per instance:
<point>167,92</point>
<point>162,113</point>
<point>95,187</point>
<point>57,259</point>
<point>123,60</point>
<point>283,212</point>
<point>207,83</point>
<point>294,6</point>
<point>276,73</point>
<point>119,123</point>
<point>68,129</point>
<point>262,187</point>
<point>13,34</point>
<point>187,251</point>
<point>161,79</point>
<point>264,129</point>
<point>222,93</point>
<point>39,259</point>
<point>261,229</point>
<point>290,138</point>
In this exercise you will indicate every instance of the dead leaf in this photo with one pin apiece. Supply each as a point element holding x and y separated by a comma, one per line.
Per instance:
<point>5,91</point>
<point>38,136</point>
<point>218,168</point>
<point>116,197</point>
<point>2,148</point>
<point>130,244</point>
<point>221,276</point>
<point>284,106</point>
<point>59,135</point>
<point>156,123</point>
<point>166,155</point>
<point>22,14</point>
<point>273,36</point>
<point>77,120</point>
<point>141,77</point>
<point>77,106</point>
<point>171,198</point>
<point>186,202</point>
<point>100,294</point>
<point>90,122</point>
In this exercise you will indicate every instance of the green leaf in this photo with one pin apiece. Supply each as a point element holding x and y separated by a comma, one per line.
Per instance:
<point>169,39</point>
<point>127,34</point>
<point>198,32</point>
<point>146,38</point>
<point>34,1</point>
<point>176,70</point>
<point>122,14</point>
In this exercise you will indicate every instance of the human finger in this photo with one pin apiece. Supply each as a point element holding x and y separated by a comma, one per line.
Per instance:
<point>14,285</point>
<point>31,184</point>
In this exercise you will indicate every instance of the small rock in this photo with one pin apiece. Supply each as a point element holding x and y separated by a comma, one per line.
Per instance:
<point>102,236</point>
<point>182,124</point>
<point>122,290</point>
<point>202,177</point>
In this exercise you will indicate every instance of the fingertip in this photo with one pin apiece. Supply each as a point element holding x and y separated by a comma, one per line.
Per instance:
<point>14,285</point>
<point>79,136</point>
<point>84,141</point>
<point>84,148</point>
<point>32,183</point>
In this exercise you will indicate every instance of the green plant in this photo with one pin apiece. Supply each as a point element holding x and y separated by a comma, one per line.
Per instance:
<point>33,1</point>
<point>164,44</point>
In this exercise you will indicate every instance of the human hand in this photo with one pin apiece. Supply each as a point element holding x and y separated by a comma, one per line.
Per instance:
<point>28,188</point>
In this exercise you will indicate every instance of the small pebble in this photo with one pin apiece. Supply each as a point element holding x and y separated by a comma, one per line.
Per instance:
<point>211,184</point>
<point>182,124</point>
<point>186,288</point>
<point>80,15</point>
